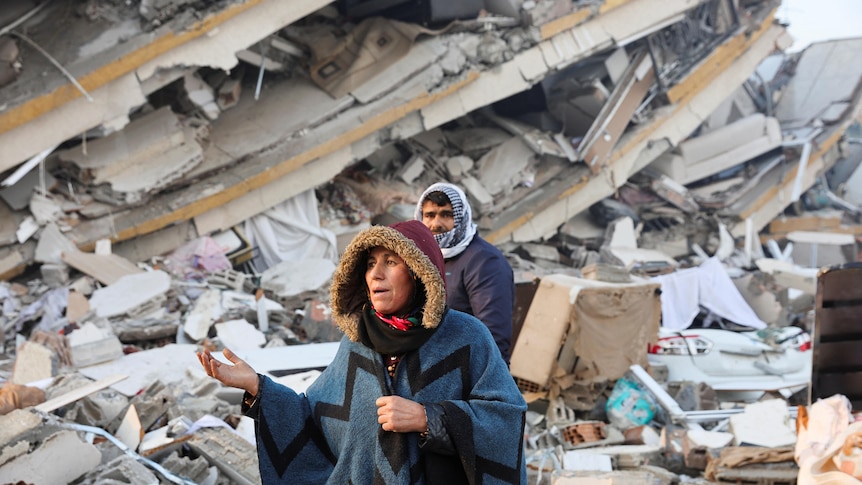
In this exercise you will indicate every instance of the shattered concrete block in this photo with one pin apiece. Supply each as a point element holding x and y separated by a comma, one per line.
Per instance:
<point>412,169</point>
<point>233,455</point>
<point>197,470</point>
<point>54,275</point>
<point>145,156</point>
<point>98,409</point>
<point>641,435</point>
<point>70,458</point>
<point>606,272</point>
<point>617,477</point>
<point>586,461</point>
<point>129,293</point>
<point>765,423</point>
<point>229,279</point>
<point>131,432</point>
<point>458,166</point>
<point>207,309</point>
<point>291,278</point>
<point>239,335</point>
<point>34,362</point>
<point>52,244</point>
<point>698,442</point>
<point>479,197</point>
<point>228,94</point>
<point>92,345</point>
<point>16,423</point>
<point>201,95</point>
<point>122,469</point>
<point>541,251</point>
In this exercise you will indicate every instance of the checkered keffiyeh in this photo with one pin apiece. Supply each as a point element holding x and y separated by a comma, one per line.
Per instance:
<point>454,242</point>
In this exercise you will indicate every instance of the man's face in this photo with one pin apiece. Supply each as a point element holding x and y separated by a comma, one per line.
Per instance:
<point>438,218</point>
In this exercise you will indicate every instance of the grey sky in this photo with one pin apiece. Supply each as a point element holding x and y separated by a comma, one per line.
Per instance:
<point>816,20</point>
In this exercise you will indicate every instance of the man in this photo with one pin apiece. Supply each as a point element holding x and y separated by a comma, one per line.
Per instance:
<point>479,280</point>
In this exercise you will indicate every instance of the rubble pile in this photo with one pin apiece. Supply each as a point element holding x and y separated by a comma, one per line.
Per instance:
<point>666,181</point>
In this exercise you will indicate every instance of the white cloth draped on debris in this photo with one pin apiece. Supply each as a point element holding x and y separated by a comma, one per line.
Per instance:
<point>709,286</point>
<point>290,231</point>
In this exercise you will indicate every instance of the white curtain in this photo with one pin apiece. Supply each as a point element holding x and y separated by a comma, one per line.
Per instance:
<point>290,231</point>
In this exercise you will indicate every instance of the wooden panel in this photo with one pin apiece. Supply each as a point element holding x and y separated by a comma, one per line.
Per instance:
<point>839,355</point>
<point>837,361</point>
<point>828,384</point>
<point>844,283</point>
<point>834,323</point>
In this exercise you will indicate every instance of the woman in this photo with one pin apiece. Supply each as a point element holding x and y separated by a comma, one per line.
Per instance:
<point>417,393</point>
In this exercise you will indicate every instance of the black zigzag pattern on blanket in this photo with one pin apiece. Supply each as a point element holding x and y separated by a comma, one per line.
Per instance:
<point>461,430</point>
<point>342,411</point>
<point>458,360</point>
<point>282,459</point>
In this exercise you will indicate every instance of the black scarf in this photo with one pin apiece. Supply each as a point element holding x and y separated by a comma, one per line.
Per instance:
<point>385,340</point>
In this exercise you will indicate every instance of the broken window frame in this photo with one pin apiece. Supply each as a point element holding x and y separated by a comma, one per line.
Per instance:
<point>676,49</point>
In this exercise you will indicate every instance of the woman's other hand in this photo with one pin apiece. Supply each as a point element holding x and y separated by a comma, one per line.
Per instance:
<point>239,375</point>
<point>401,415</point>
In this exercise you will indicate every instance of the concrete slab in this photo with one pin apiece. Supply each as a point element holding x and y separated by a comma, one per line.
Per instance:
<point>34,362</point>
<point>290,278</point>
<point>69,456</point>
<point>91,344</point>
<point>148,154</point>
<point>130,431</point>
<point>500,170</point>
<point>232,454</point>
<point>52,244</point>
<point>208,308</point>
<point>168,364</point>
<point>129,292</point>
<point>16,423</point>
<point>765,423</point>
<point>239,334</point>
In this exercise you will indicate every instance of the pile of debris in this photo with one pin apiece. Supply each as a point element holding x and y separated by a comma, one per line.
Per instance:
<point>664,179</point>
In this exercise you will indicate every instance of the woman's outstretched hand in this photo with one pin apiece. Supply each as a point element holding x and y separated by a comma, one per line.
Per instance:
<point>239,375</point>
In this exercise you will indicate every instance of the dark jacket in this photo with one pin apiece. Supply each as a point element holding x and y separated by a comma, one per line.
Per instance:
<point>479,281</point>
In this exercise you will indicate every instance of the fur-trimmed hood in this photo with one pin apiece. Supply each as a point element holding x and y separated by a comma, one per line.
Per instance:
<point>416,245</point>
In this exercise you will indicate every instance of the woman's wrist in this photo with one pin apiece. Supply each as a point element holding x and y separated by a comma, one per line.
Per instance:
<point>424,434</point>
<point>254,387</point>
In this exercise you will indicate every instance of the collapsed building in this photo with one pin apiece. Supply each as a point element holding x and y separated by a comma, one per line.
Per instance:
<point>186,173</point>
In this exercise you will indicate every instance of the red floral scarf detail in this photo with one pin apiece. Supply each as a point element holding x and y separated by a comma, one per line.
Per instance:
<point>396,322</point>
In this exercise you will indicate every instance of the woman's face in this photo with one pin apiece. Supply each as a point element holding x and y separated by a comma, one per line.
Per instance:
<point>390,285</point>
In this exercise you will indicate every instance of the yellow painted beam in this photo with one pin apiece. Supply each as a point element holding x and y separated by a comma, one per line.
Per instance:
<point>612,4</point>
<point>564,23</point>
<point>40,105</point>
<point>498,235</point>
<point>288,166</point>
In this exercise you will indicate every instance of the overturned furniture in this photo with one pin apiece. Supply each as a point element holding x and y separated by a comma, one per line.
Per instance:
<point>579,333</point>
